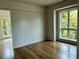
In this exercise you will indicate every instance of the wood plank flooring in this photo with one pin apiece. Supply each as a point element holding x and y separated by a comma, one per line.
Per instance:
<point>46,50</point>
<point>6,49</point>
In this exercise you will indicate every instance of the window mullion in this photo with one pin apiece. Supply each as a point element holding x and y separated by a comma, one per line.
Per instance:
<point>68,22</point>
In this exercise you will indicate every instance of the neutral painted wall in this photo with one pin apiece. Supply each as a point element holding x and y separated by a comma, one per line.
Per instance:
<point>50,17</point>
<point>27,22</point>
<point>15,5</point>
<point>27,28</point>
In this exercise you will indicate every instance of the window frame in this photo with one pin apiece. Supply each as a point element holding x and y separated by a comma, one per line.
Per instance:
<point>1,29</point>
<point>69,29</point>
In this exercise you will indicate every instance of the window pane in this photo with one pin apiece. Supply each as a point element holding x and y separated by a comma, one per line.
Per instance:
<point>72,34</point>
<point>68,24</point>
<point>64,19</point>
<point>64,33</point>
<point>6,28</point>
<point>73,19</point>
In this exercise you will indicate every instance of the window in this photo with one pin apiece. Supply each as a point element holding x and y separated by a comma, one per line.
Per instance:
<point>5,23</point>
<point>68,24</point>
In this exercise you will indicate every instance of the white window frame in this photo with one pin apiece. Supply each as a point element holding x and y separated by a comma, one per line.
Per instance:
<point>68,22</point>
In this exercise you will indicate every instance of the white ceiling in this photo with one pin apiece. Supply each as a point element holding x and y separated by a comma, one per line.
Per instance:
<point>41,2</point>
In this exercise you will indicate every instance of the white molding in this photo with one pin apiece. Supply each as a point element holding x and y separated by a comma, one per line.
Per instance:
<point>66,7</point>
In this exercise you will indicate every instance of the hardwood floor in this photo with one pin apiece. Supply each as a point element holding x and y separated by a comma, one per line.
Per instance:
<point>46,50</point>
<point>6,49</point>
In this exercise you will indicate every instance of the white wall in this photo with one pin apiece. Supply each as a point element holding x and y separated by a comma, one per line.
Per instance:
<point>27,28</point>
<point>27,22</point>
<point>14,5</point>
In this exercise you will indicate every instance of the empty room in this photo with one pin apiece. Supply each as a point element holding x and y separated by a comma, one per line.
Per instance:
<point>39,29</point>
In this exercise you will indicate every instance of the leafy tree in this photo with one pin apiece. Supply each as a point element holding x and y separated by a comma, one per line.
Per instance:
<point>72,23</point>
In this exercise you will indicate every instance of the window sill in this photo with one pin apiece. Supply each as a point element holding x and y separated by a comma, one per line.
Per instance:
<point>69,39</point>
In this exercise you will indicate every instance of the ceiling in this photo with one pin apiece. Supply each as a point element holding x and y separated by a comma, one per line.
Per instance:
<point>41,2</point>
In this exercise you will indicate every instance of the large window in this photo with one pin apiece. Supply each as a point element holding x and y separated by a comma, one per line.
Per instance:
<point>68,24</point>
<point>5,24</point>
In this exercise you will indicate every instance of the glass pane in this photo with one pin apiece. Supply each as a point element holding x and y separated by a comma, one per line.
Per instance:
<point>64,33</point>
<point>72,34</point>
<point>73,19</point>
<point>64,19</point>
<point>6,28</point>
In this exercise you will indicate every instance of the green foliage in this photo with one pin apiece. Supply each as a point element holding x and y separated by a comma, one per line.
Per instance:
<point>72,24</point>
<point>6,26</point>
<point>64,21</point>
<point>73,19</point>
